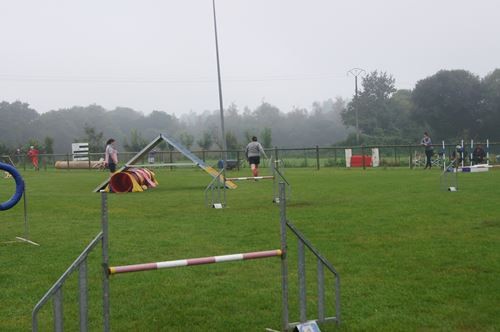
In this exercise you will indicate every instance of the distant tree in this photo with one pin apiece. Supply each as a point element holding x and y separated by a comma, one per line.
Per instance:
<point>266,114</point>
<point>137,143</point>
<point>298,131</point>
<point>248,135</point>
<point>206,141</point>
<point>32,143</point>
<point>402,128</point>
<point>489,114</point>
<point>48,144</point>
<point>186,139</point>
<point>170,147</point>
<point>231,141</point>
<point>448,102</point>
<point>16,122</point>
<point>95,140</point>
<point>163,146</point>
<point>266,137</point>
<point>324,124</point>
<point>216,137</point>
<point>371,104</point>
<point>4,149</point>
<point>162,122</point>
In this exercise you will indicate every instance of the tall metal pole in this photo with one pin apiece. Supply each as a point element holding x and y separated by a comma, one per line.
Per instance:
<point>105,261</point>
<point>221,104</point>
<point>284,262</point>
<point>356,72</point>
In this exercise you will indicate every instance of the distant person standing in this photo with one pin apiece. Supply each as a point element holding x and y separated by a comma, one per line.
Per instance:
<point>111,155</point>
<point>18,155</point>
<point>33,155</point>
<point>478,155</point>
<point>457,156</point>
<point>252,152</point>
<point>429,150</point>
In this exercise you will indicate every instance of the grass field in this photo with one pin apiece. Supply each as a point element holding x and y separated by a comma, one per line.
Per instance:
<point>410,257</point>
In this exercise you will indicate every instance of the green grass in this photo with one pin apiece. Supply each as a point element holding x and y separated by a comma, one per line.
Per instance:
<point>411,257</point>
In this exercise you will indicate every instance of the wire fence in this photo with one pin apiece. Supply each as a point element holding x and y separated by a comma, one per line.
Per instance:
<point>307,157</point>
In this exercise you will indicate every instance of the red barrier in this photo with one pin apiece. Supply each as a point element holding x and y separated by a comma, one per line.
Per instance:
<point>357,161</point>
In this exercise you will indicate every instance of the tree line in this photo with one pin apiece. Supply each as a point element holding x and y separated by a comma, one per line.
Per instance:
<point>54,131</point>
<point>451,105</point>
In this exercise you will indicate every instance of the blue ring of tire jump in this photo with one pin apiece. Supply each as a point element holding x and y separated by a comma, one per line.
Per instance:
<point>19,187</point>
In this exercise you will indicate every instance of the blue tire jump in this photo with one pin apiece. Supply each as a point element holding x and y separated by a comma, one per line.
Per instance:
<point>19,186</point>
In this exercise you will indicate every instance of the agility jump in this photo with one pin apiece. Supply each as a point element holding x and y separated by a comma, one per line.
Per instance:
<point>215,193</point>
<point>80,265</point>
<point>194,261</point>
<point>16,197</point>
<point>247,178</point>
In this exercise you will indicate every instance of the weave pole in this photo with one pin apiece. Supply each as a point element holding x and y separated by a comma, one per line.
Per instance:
<point>268,177</point>
<point>194,261</point>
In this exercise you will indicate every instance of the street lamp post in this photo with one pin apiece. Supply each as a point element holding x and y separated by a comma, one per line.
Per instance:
<point>356,72</point>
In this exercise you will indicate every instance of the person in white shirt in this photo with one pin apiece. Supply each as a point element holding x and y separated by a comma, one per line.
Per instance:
<point>111,155</point>
<point>429,150</point>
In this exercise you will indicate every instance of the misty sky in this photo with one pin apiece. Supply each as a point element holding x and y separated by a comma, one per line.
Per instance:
<point>160,55</point>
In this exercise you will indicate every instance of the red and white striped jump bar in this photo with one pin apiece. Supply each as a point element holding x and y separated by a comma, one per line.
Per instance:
<point>251,178</point>
<point>193,261</point>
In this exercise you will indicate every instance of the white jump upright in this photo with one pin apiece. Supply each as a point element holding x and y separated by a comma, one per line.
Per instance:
<point>462,156</point>
<point>487,151</point>
<point>444,156</point>
<point>471,150</point>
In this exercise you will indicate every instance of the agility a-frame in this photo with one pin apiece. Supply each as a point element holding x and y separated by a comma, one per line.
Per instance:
<point>134,162</point>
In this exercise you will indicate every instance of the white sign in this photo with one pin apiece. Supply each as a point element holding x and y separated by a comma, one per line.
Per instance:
<point>80,151</point>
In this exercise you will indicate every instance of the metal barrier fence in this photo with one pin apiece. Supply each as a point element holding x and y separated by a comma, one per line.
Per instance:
<point>56,291</point>
<point>307,157</point>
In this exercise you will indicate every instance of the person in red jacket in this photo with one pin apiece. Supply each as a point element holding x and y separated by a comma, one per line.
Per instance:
<point>33,155</point>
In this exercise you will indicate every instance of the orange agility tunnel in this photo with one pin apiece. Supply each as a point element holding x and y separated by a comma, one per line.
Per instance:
<point>132,180</point>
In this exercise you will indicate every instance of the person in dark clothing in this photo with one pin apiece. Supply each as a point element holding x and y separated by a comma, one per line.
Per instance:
<point>429,150</point>
<point>478,155</point>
